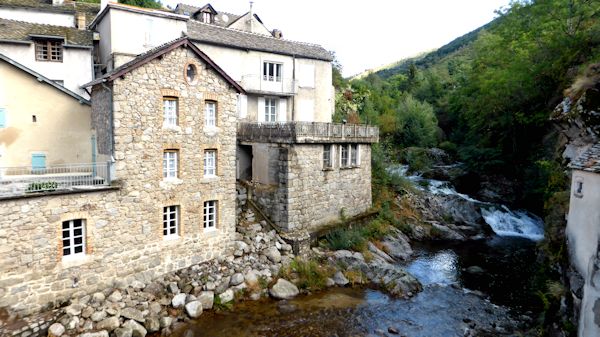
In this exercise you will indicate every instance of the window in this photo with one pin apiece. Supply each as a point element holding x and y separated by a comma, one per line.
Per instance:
<point>210,113</point>
<point>354,154</point>
<point>343,155</point>
<point>170,221</point>
<point>207,17</point>
<point>272,71</point>
<point>271,109</point>
<point>73,238</point>
<point>327,162</point>
<point>578,187</point>
<point>210,163</point>
<point>191,73</point>
<point>2,118</point>
<point>48,50</point>
<point>170,161</point>
<point>170,111</point>
<point>210,214</point>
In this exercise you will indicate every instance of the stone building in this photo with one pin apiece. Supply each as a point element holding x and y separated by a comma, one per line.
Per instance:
<point>168,119</point>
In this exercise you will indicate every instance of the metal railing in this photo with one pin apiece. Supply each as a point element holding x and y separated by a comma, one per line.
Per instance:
<point>307,132</point>
<point>66,177</point>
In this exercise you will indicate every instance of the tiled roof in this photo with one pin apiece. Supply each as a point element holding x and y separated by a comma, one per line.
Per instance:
<point>151,54</point>
<point>89,9</point>
<point>589,160</point>
<point>222,19</point>
<point>212,34</point>
<point>22,31</point>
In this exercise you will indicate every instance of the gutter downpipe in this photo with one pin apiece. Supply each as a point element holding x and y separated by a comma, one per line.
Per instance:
<point>293,88</point>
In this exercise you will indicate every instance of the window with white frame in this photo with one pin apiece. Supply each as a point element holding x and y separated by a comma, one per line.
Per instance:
<point>170,164</point>
<point>344,155</point>
<point>210,215</point>
<point>170,221</point>
<point>210,163</point>
<point>327,156</point>
<point>272,71</point>
<point>73,238</point>
<point>354,154</point>
<point>207,17</point>
<point>210,113</point>
<point>271,109</point>
<point>579,187</point>
<point>170,111</point>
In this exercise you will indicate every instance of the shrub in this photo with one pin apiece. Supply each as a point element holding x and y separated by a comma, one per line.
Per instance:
<point>310,274</point>
<point>42,186</point>
<point>346,238</point>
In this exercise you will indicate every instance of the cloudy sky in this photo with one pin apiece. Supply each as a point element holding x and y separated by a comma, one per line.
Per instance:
<point>367,34</point>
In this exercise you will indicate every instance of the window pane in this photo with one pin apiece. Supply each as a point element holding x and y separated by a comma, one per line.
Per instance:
<point>66,251</point>
<point>78,249</point>
<point>66,243</point>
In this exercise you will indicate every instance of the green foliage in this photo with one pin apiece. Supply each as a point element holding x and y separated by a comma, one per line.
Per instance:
<point>143,3</point>
<point>218,305</point>
<point>417,159</point>
<point>346,238</point>
<point>47,186</point>
<point>310,274</point>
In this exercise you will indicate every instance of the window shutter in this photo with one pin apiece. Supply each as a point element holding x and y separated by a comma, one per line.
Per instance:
<point>2,118</point>
<point>261,109</point>
<point>282,110</point>
<point>243,108</point>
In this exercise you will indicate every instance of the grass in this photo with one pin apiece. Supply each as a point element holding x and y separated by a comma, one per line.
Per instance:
<point>219,306</point>
<point>309,274</point>
<point>356,238</point>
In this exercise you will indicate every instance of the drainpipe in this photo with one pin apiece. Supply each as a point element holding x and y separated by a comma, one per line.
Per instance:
<point>294,89</point>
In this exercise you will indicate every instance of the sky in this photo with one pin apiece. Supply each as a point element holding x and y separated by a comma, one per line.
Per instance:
<point>367,34</point>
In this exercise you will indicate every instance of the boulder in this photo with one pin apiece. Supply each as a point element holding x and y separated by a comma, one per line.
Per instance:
<point>115,296</point>
<point>207,299</point>
<point>98,316</point>
<point>138,285</point>
<point>178,300</point>
<point>283,290</point>
<point>273,254</point>
<point>98,298</point>
<point>133,314</point>
<point>194,309</point>
<point>340,279</point>
<point>251,278</point>
<point>166,322</point>
<point>102,333</point>
<point>56,330</point>
<point>174,288</point>
<point>123,332</point>
<point>137,330</point>
<point>226,296</point>
<point>152,324</point>
<point>236,279</point>
<point>109,324</point>
<point>397,245</point>
<point>74,309</point>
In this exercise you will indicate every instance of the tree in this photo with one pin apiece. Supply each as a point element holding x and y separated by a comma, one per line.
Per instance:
<point>143,3</point>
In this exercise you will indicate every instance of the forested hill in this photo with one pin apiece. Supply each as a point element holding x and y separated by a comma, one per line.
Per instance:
<point>487,96</point>
<point>429,59</point>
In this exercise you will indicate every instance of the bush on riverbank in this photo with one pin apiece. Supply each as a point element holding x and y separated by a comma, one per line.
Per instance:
<point>308,274</point>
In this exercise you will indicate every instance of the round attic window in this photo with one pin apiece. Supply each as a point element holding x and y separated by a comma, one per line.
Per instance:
<point>191,73</point>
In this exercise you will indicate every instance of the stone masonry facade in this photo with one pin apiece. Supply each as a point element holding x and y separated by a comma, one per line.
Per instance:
<point>308,195</point>
<point>124,224</point>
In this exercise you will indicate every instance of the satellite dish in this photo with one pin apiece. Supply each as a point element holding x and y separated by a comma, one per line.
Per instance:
<point>225,18</point>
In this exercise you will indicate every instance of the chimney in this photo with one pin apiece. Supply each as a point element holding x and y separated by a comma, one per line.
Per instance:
<point>81,24</point>
<point>251,20</point>
<point>57,2</point>
<point>277,34</point>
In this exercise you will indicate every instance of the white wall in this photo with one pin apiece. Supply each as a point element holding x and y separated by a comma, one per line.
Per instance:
<point>134,33</point>
<point>74,70</point>
<point>56,19</point>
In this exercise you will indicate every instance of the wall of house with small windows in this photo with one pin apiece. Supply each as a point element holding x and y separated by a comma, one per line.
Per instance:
<point>316,184</point>
<point>174,203</point>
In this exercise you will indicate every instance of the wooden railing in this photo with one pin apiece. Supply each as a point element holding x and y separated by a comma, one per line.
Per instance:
<point>307,132</point>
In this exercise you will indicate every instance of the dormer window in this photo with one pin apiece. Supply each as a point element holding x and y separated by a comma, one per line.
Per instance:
<point>206,17</point>
<point>49,50</point>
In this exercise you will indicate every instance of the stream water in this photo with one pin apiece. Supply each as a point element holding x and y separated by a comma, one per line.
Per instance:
<point>485,283</point>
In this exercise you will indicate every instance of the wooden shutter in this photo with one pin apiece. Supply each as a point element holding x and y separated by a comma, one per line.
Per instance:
<point>261,109</point>
<point>282,110</point>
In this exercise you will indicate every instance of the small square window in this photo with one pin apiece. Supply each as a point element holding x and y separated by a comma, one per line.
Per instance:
<point>210,163</point>
<point>210,215</point>
<point>170,221</point>
<point>210,113</point>
<point>73,238</point>
<point>49,50</point>
<point>170,111</point>
<point>170,164</point>
<point>578,187</point>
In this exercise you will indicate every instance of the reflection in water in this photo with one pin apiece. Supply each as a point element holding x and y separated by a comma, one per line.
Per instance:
<point>437,268</point>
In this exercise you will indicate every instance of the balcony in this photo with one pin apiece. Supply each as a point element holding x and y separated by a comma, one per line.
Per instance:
<point>254,83</point>
<point>26,180</point>
<point>306,132</point>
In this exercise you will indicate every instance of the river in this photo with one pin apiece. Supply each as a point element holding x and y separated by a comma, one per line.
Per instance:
<point>477,284</point>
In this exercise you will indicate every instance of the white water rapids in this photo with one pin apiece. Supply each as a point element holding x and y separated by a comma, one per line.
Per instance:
<point>504,221</point>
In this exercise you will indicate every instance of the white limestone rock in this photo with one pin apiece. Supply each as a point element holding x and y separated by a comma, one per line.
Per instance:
<point>284,290</point>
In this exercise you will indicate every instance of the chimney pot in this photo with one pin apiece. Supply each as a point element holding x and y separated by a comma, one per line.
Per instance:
<point>81,24</point>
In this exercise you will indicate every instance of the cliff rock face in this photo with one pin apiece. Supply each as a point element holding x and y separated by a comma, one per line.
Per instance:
<point>578,115</point>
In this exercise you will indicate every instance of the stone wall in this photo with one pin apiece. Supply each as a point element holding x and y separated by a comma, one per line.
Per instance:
<point>124,227</point>
<point>307,195</point>
<point>101,119</point>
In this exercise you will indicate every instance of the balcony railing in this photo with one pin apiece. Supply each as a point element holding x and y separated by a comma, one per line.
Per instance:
<point>307,132</point>
<point>258,83</point>
<point>24,180</point>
